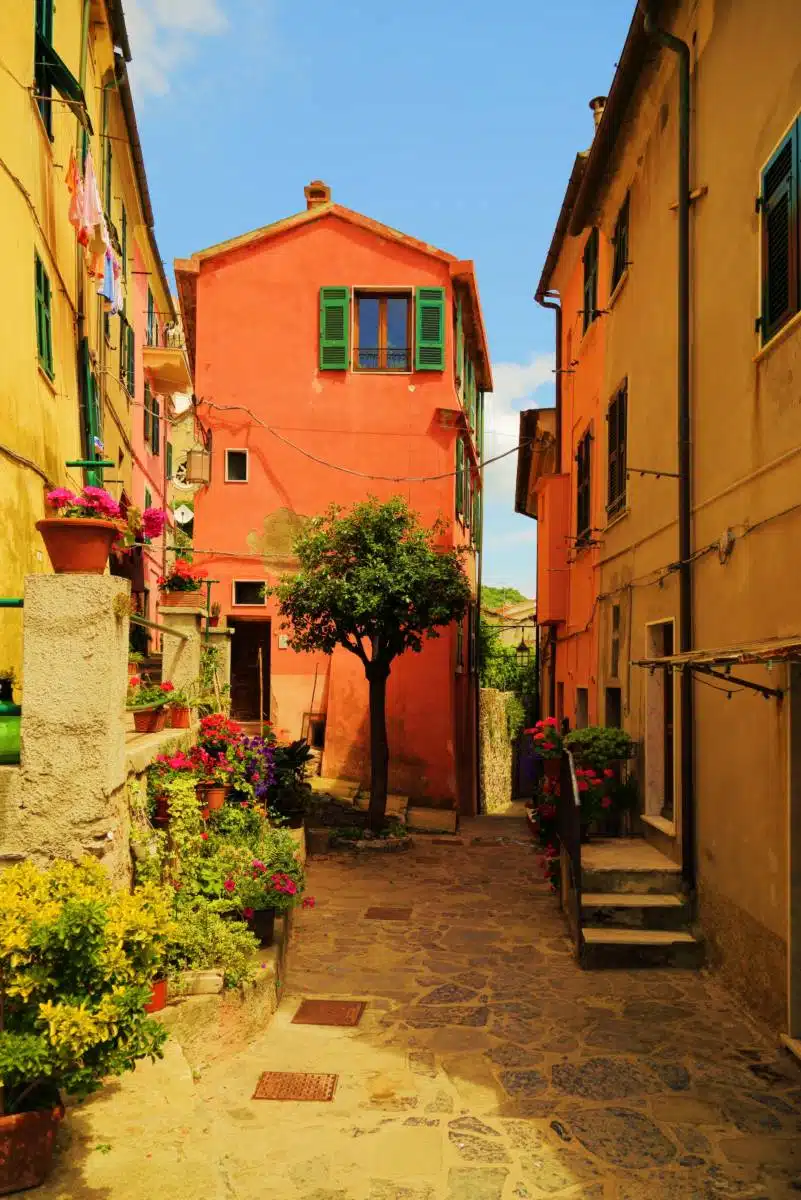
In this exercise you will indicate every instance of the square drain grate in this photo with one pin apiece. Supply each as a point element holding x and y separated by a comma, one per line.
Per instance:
<point>329,1012</point>
<point>388,914</point>
<point>295,1085</point>
<point>447,841</point>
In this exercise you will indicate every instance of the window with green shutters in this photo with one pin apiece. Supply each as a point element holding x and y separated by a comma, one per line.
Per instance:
<point>92,433</point>
<point>155,425</point>
<point>127,355</point>
<point>334,328</point>
<point>780,208</point>
<point>124,241</point>
<point>459,477</point>
<point>590,310</point>
<point>152,327</point>
<point>41,76</point>
<point>430,329</point>
<point>107,178</point>
<point>44,320</point>
<point>168,457</point>
<point>148,431</point>
<point>620,242</point>
<point>148,498</point>
<point>458,343</point>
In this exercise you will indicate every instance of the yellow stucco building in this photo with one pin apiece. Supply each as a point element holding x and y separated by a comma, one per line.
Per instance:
<point>711,502</point>
<point>78,379</point>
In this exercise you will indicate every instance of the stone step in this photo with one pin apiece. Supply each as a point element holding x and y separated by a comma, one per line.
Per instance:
<point>431,820</point>
<point>631,882</point>
<point>607,947</point>
<point>397,805</point>
<point>633,910</point>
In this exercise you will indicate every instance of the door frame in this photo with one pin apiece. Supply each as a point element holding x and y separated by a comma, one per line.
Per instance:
<point>235,622</point>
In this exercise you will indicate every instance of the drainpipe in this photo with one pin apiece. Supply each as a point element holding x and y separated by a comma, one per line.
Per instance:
<point>550,300</point>
<point>682,50</point>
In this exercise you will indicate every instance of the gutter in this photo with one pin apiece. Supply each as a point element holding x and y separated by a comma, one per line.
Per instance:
<point>680,48</point>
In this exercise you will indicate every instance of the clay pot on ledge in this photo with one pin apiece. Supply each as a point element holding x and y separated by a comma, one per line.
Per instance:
<point>214,797</point>
<point>78,545</point>
<point>214,621</point>
<point>26,1148</point>
<point>158,997</point>
<point>150,720</point>
<point>180,716</point>
<point>182,600</point>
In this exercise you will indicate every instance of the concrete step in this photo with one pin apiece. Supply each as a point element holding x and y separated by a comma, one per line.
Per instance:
<point>631,882</point>
<point>608,947</point>
<point>633,910</point>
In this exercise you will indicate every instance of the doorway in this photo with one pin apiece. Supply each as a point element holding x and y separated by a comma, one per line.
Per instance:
<point>250,688</point>
<point>794,939</point>
<point>660,776</point>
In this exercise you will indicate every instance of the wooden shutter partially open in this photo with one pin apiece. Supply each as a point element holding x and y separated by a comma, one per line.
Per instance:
<point>334,328</point>
<point>429,351</point>
<point>779,204</point>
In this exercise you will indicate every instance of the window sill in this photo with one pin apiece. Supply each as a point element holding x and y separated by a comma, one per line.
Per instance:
<point>792,326</point>
<point>618,288</point>
<point>659,823</point>
<point>379,371</point>
<point>49,379</point>
<point>240,481</point>
<point>616,518</point>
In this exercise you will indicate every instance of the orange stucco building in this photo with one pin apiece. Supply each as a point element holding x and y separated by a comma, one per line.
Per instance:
<point>336,358</point>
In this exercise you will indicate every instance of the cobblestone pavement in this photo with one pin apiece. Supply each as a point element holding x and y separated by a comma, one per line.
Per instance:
<point>487,1066</point>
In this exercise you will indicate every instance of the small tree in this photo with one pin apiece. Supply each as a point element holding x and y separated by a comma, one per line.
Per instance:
<point>373,581</point>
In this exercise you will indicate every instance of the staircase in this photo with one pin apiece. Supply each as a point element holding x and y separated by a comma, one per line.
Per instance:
<point>633,908</point>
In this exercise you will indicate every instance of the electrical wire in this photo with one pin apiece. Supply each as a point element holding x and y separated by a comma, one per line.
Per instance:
<point>324,462</point>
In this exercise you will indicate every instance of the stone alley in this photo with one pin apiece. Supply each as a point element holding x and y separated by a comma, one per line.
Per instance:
<point>486,1066</point>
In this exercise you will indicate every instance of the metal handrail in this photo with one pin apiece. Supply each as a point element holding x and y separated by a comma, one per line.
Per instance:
<point>137,620</point>
<point>570,837</point>
<point>11,602</point>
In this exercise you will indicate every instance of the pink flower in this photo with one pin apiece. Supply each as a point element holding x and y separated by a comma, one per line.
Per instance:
<point>539,737</point>
<point>61,497</point>
<point>550,721</point>
<point>583,786</point>
<point>134,681</point>
<point>167,686</point>
<point>291,886</point>
<point>247,913</point>
<point>153,520</point>
<point>229,885</point>
<point>259,866</point>
<point>609,773</point>
<point>606,802</point>
<point>308,902</point>
<point>548,746</point>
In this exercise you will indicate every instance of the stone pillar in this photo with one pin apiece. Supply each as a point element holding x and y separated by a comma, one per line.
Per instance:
<point>75,650</point>
<point>180,657</point>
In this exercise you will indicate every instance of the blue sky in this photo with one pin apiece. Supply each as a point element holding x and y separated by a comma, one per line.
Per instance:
<point>457,123</point>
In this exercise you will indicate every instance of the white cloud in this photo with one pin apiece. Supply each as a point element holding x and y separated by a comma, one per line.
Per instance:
<point>161,33</point>
<point>515,384</point>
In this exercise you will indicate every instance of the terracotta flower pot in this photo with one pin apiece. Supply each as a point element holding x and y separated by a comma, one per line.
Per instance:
<point>214,797</point>
<point>214,621</point>
<point>133,669</point>
<point>182,600</point>
<point>150,720</point>
<point>262,923</point>
<point>158,999</point>
<point>78,545</point>
<point>26,1148</point>
<point>179,716</point>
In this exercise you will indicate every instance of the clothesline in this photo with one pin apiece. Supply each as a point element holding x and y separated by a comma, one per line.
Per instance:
<point>89,222</point>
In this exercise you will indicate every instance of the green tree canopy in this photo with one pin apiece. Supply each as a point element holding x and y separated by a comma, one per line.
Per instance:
<point>374,581</point>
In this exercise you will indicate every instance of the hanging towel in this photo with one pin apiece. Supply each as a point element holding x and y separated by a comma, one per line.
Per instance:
<point>76,190</point>
<point>106,289</point>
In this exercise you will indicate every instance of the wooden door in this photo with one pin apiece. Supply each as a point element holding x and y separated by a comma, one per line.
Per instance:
<point>250,637</point>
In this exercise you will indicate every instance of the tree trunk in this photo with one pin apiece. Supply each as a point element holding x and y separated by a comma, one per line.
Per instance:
<point>379,746</point>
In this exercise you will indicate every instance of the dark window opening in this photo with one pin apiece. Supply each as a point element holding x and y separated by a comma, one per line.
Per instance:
<point>582,708</point>
<point>780,205</point>
<point>616,427</point>
<point>41,74</point>
<point>621,244</point>
<point>614,708</point>
<point>614,655</point>
<point>383,332</point>
<point>236,466</point>
<point>583,513</point>
<point>248,591</point>
<point>590,311</point>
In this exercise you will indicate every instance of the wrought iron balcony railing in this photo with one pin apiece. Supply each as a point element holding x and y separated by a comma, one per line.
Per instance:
<point>383,358</point>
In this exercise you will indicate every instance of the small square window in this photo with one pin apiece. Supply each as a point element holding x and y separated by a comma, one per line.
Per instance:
<point>236,466</point>
<point>249,591</point>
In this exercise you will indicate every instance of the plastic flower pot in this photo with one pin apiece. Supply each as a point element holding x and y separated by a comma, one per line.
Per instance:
<point>26,1148</point>
<point>262,923</point>
<point>215,797</point>
<point>182,600</point>
<point>179,716</point>
<point>150,720</point>
<point>158,996</point>
<point>78,545</point>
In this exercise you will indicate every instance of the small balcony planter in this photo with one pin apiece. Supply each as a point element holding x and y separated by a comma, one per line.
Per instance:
<point>150,720</point>
<point>180,587</point>
<point>78,545</point>
<point>158,996</point>
<point>180,716</point>
<point>26,1148</point>
<point>193,599</point>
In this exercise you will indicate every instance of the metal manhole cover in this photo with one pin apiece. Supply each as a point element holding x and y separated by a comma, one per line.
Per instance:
<point>388,914</point>
<point>329,1012</point>
<point>295,1085</point>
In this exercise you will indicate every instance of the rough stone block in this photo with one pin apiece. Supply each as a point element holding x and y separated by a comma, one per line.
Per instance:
<point>431,820</point>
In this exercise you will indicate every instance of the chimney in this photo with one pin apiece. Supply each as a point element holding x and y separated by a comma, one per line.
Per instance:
<point>598,104</point>
<point>317,193</point>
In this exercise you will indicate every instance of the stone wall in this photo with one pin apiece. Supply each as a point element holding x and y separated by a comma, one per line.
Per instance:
<point>496,750</point>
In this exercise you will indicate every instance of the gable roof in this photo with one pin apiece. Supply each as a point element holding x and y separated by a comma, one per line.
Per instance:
<point>187,270</point>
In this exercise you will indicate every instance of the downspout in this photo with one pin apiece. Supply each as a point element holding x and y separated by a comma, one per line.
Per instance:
<point>550,300</point>
<point>80,318</point>
<point>682,50</point>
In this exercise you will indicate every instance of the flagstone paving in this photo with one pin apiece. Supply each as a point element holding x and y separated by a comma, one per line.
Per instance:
<point>486,1066</point>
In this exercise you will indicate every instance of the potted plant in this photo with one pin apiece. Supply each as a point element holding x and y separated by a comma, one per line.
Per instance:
<point>135,660</point>
<point>10,714</point>
<point>599,746</point>
<point>80,536</point>
<point>214,615</point>
<point>180,706</point>
<point>77,960</point>
<point>148,703</point>
<point>260,881</point>
<point>180,587</point>
<point>548,744</point>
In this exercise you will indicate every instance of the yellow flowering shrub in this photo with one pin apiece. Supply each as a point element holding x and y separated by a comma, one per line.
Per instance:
<point>77,960</point>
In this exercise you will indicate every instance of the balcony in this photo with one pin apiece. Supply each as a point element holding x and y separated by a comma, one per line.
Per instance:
<point>166,366</point>
<point>384,358</point>
<point>537,459</point>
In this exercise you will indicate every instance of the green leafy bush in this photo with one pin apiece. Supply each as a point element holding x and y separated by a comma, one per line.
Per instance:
<point>77,961</point>
<point>204,940</point>
<point>598,746</point>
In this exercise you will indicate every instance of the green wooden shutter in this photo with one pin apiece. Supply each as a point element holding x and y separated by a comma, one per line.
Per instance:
<point>459,344</point>
<point>155,444</point>
<point>107,179</point>
<point>151,319</point>
<point>780,240</point>
<point>148,410</point>
<point>429,351</point>
<point>459,476</point>
<point>131,361</point>
<point>334,328</point>
<point>123,348</point>
<point>44,328</point>
<point>168,453</point>
<point>124,241</point>
<point>91,412</point>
